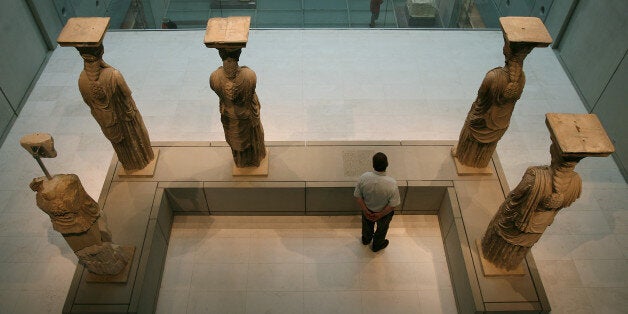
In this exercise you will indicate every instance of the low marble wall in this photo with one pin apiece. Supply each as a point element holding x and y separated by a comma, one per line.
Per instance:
<point>315,178</point>
<point>139,215</point>
<point>293,198</point>
<point>466,289</point>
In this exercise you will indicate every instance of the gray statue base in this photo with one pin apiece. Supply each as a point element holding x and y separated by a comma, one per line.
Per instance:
<point>313,178</point>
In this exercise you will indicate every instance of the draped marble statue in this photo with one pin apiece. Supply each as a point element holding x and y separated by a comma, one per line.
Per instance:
<point>105,91</point>
<point>489,116</point>
<point>529,209</point>
<point>239,109</point>
<point>543,191</point>
<point>74,213</point>
<point>109,98</point>
<point>235,87</point>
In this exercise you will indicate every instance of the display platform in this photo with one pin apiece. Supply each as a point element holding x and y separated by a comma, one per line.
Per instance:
<point>304,178</point>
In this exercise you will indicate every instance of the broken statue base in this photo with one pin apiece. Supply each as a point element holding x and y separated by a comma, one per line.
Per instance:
<point>122,277</point>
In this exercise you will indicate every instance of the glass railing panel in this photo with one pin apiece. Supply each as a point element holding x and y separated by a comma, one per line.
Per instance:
<point>164,14</point>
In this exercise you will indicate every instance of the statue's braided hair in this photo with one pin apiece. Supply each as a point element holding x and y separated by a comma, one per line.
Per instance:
<point>93,65</point>
<point>515,54</point>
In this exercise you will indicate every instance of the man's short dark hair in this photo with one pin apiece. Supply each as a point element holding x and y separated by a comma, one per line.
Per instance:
<point>380,162</point>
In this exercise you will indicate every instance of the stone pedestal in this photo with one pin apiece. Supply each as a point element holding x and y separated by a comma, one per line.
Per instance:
<point>491,270</point>
<point>262,170</point>
<point>146,172</point>
<point>463,170</point>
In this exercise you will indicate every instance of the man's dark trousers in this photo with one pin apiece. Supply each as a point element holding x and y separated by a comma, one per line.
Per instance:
<point>380,234</point>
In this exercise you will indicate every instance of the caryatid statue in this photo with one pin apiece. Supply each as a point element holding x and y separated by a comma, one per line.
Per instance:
<point>106,93</point>
<point>75,214</point>
<point>544,190</point>
<point>489,117</point>
<point>235,86</point>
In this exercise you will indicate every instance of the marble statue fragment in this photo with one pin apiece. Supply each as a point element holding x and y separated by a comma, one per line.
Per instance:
<point>489,116</point>
<point>74,213</point>
<point>235,87</point>
<point>544,190</point>
<point>105,91</point>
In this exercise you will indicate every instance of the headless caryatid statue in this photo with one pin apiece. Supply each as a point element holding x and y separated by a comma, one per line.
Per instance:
<point>106,93</point>
<point>490,113</point>
<point>544,190</point>
<point>235,87</point>
<point>75,214</point>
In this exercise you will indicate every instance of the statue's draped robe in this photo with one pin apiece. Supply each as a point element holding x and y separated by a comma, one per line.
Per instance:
<point>523,216</point>
<point>71,209</point>
<point>240,115</point>
<point>119,118</point>
<point>77,217</point>
<point>488,119</point>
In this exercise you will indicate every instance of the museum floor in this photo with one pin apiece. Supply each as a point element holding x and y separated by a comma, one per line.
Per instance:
<point>313,85</point>
<point>304,265</point>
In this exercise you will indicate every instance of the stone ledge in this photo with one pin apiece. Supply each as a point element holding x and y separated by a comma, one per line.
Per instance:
<point>194,178</point>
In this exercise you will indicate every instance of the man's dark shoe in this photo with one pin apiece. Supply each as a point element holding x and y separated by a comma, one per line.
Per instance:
<point>384,245</point>
<point>365,241</point>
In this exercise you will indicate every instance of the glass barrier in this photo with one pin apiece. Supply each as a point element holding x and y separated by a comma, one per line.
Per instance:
<point>170,14</point>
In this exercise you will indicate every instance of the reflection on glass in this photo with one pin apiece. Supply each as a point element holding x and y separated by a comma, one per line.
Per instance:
<point>171,14</point>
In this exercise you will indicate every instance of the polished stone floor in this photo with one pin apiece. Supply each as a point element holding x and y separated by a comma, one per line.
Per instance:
<point>313,85</point>
<point>304,265</point>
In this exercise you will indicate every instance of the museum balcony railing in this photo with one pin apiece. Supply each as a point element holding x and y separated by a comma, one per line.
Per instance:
<point>193,14</point>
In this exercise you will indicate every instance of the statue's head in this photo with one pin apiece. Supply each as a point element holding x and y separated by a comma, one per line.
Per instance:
<point>521,35</point>
<point>560,160</point>
<point>91,54</point>
<point>517,51</point>
<point>229,54</point>
<point>230,59</point>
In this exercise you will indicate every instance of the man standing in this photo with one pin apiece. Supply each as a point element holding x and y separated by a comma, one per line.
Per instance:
<point>378,195</point>
<point>375,11</point>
